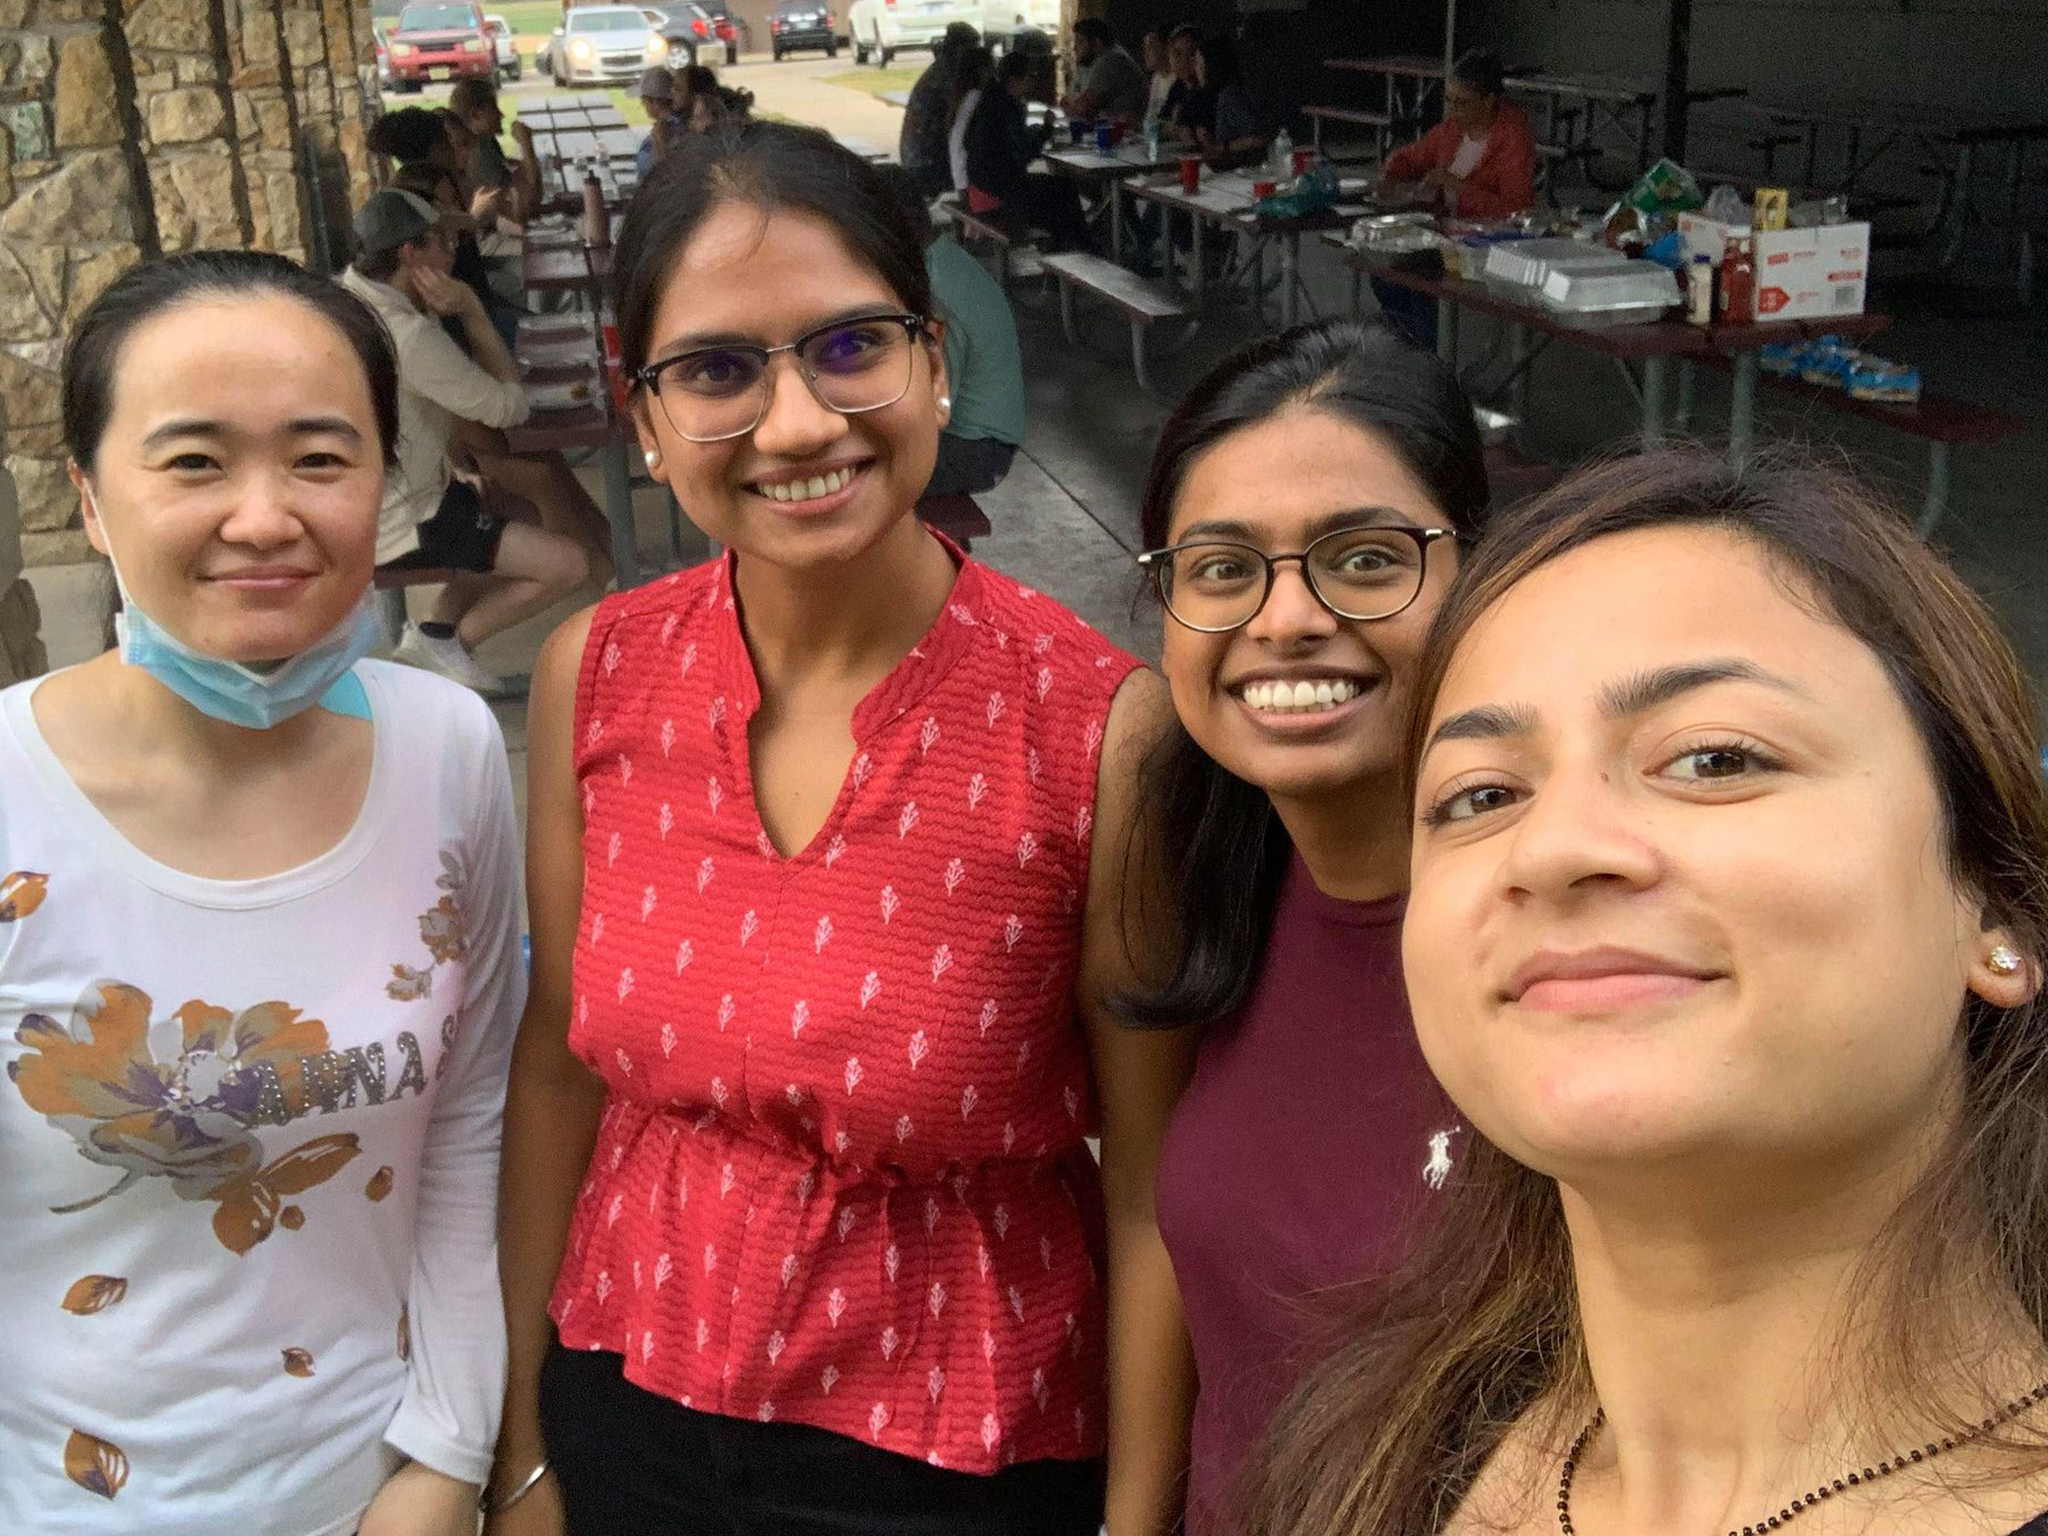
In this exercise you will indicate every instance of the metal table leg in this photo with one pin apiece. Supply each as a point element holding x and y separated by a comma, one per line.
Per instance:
<point>1656,390</point>
<point>1959,211</point>
<point>1447,334</point>
<point>1937,488</point>
<point>1742,408</point>
<point>1116,222</point>
<point>1524,355</point>
<point>618,511</point>
<point>1201,272</point>
<point>1290,281</point>
<point>1688,377</point>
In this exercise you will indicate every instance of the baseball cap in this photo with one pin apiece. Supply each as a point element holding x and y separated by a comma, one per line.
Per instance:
<point>391,218</point>
<point>656,81</point>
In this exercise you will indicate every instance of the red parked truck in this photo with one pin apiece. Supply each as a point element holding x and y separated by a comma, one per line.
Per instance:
<point>439,40</point>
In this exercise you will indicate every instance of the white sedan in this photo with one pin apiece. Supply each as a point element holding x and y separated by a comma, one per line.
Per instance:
<point>604,45</point>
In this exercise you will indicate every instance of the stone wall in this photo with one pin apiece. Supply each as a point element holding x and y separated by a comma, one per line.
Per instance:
<point>130,128</point>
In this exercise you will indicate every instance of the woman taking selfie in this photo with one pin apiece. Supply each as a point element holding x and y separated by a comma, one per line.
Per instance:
<point>259,964</point>
<point>813,898</point>
<point>1293,624</point>
<point>1726,930</point>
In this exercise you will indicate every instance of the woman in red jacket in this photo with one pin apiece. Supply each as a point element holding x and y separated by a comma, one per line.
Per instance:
<point>1481,162</point>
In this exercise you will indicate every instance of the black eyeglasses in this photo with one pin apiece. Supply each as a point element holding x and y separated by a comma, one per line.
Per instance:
<point>710,394</point>
<point>1370,571</point>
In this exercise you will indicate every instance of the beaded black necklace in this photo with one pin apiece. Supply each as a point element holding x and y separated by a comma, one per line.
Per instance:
<point>1827,1490</point>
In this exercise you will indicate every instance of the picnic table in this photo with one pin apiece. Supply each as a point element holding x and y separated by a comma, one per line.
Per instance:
<point>557,261</point>
<point>1655,345</point>
<point>1224,200</point>
<point>1093,168</point>
<point>558,350</point>
<point>1950,135</point>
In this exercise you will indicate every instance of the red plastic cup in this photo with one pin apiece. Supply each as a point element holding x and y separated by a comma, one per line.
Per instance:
<point>1303,160</point>
<point>616,382</point>
<point>611,341</point>
<point>1190,173</point>
<point>1264,188</point>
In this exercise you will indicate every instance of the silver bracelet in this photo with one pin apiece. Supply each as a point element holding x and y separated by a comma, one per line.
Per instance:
<point>491,1506</point>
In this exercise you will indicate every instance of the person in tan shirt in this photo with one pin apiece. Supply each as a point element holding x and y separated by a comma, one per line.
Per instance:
<point>431,518</point>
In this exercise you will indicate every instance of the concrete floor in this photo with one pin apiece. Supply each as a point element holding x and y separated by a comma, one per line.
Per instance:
<point>1065,520</point>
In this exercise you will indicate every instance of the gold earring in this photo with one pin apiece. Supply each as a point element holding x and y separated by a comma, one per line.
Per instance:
<point>2005,960</point>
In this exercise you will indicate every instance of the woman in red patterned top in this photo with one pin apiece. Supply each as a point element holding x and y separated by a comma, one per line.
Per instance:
<point>812,896</point>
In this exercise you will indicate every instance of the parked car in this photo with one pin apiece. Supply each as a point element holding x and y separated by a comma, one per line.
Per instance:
<point>439,41</point>
<point>733,30</point>
<point>803,24</point>
<point>500,30</point>
<point>1002,20</point>
<point>687,28</point>
<point>604,45</point>
<point>882,28</point>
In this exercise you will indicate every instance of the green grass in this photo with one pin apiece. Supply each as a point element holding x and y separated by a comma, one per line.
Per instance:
<point>877,82</point>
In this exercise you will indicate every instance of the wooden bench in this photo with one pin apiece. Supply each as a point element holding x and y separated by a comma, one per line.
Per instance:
<point>1144,303</point>
<point>1941,421</point>
<point>981,230</point>
<point>1381,123</point>
<point>959,518</point>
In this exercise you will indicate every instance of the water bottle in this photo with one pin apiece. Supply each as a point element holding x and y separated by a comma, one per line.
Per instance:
<point>597,220</point>
<point>1281,160</point>
<point>1152,140</point>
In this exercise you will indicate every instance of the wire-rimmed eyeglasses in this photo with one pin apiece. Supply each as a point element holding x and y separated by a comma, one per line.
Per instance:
<point>713,393</point>
<point>1364,571</point>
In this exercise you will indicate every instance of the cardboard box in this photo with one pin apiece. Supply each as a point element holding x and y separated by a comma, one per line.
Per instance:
<point>1801,274</point>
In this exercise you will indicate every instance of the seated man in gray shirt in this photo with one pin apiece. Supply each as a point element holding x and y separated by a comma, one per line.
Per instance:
<point>1110,82</point>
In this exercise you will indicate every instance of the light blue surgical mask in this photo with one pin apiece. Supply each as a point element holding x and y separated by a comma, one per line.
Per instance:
<point>237,693</point>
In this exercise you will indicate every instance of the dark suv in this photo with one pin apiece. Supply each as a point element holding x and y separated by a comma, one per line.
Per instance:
<point>439,41</point>
<point>804,24</point>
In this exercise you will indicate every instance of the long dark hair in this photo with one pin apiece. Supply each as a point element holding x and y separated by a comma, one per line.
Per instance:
<point>93,353</point>
<point>1221,839</point>
<point>773,166</point>
<point>1436,1364</point>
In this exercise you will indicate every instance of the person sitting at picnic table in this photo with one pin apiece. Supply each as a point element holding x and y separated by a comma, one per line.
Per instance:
<point>430,166</point>
<point>664,121</point>
<point>1481,159</point>
<point>977,71</point>
<point>431,519</point>
<point>984,364</point>
<point>1112,84</point>
<point>1001,145</point>
<point>474,102</point>
<point>1156,72</point>
<point>922,145</point>
<point>1186,108</point>
<point>1231,136</point>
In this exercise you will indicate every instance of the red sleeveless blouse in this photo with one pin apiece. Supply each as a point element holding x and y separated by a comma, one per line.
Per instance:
<point>841,1176</point>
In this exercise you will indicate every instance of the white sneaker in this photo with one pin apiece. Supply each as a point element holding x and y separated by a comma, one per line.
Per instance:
<point>450,658</point>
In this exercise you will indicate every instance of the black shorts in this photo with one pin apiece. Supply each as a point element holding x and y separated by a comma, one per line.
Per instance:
<point>462,535</point>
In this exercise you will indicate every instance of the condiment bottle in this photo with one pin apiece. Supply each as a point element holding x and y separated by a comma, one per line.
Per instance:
<point>1738,283</point>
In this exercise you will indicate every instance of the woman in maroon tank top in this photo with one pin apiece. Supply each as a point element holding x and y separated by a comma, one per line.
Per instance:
<point>1279,795</point>
<point>801,1230</point>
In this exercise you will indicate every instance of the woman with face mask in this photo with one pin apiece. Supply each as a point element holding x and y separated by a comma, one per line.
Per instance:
<point>259,962</point>
<point>1726,932</point>
<point>1295,608</point>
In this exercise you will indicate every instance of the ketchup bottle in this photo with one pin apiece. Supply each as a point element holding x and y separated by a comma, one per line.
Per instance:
<point>1738,284</point>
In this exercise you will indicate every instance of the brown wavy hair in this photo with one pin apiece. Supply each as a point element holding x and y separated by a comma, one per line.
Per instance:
<point>1429,1370</point>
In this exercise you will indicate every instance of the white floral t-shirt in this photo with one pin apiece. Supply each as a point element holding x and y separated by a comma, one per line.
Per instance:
<point>250,1130</point>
